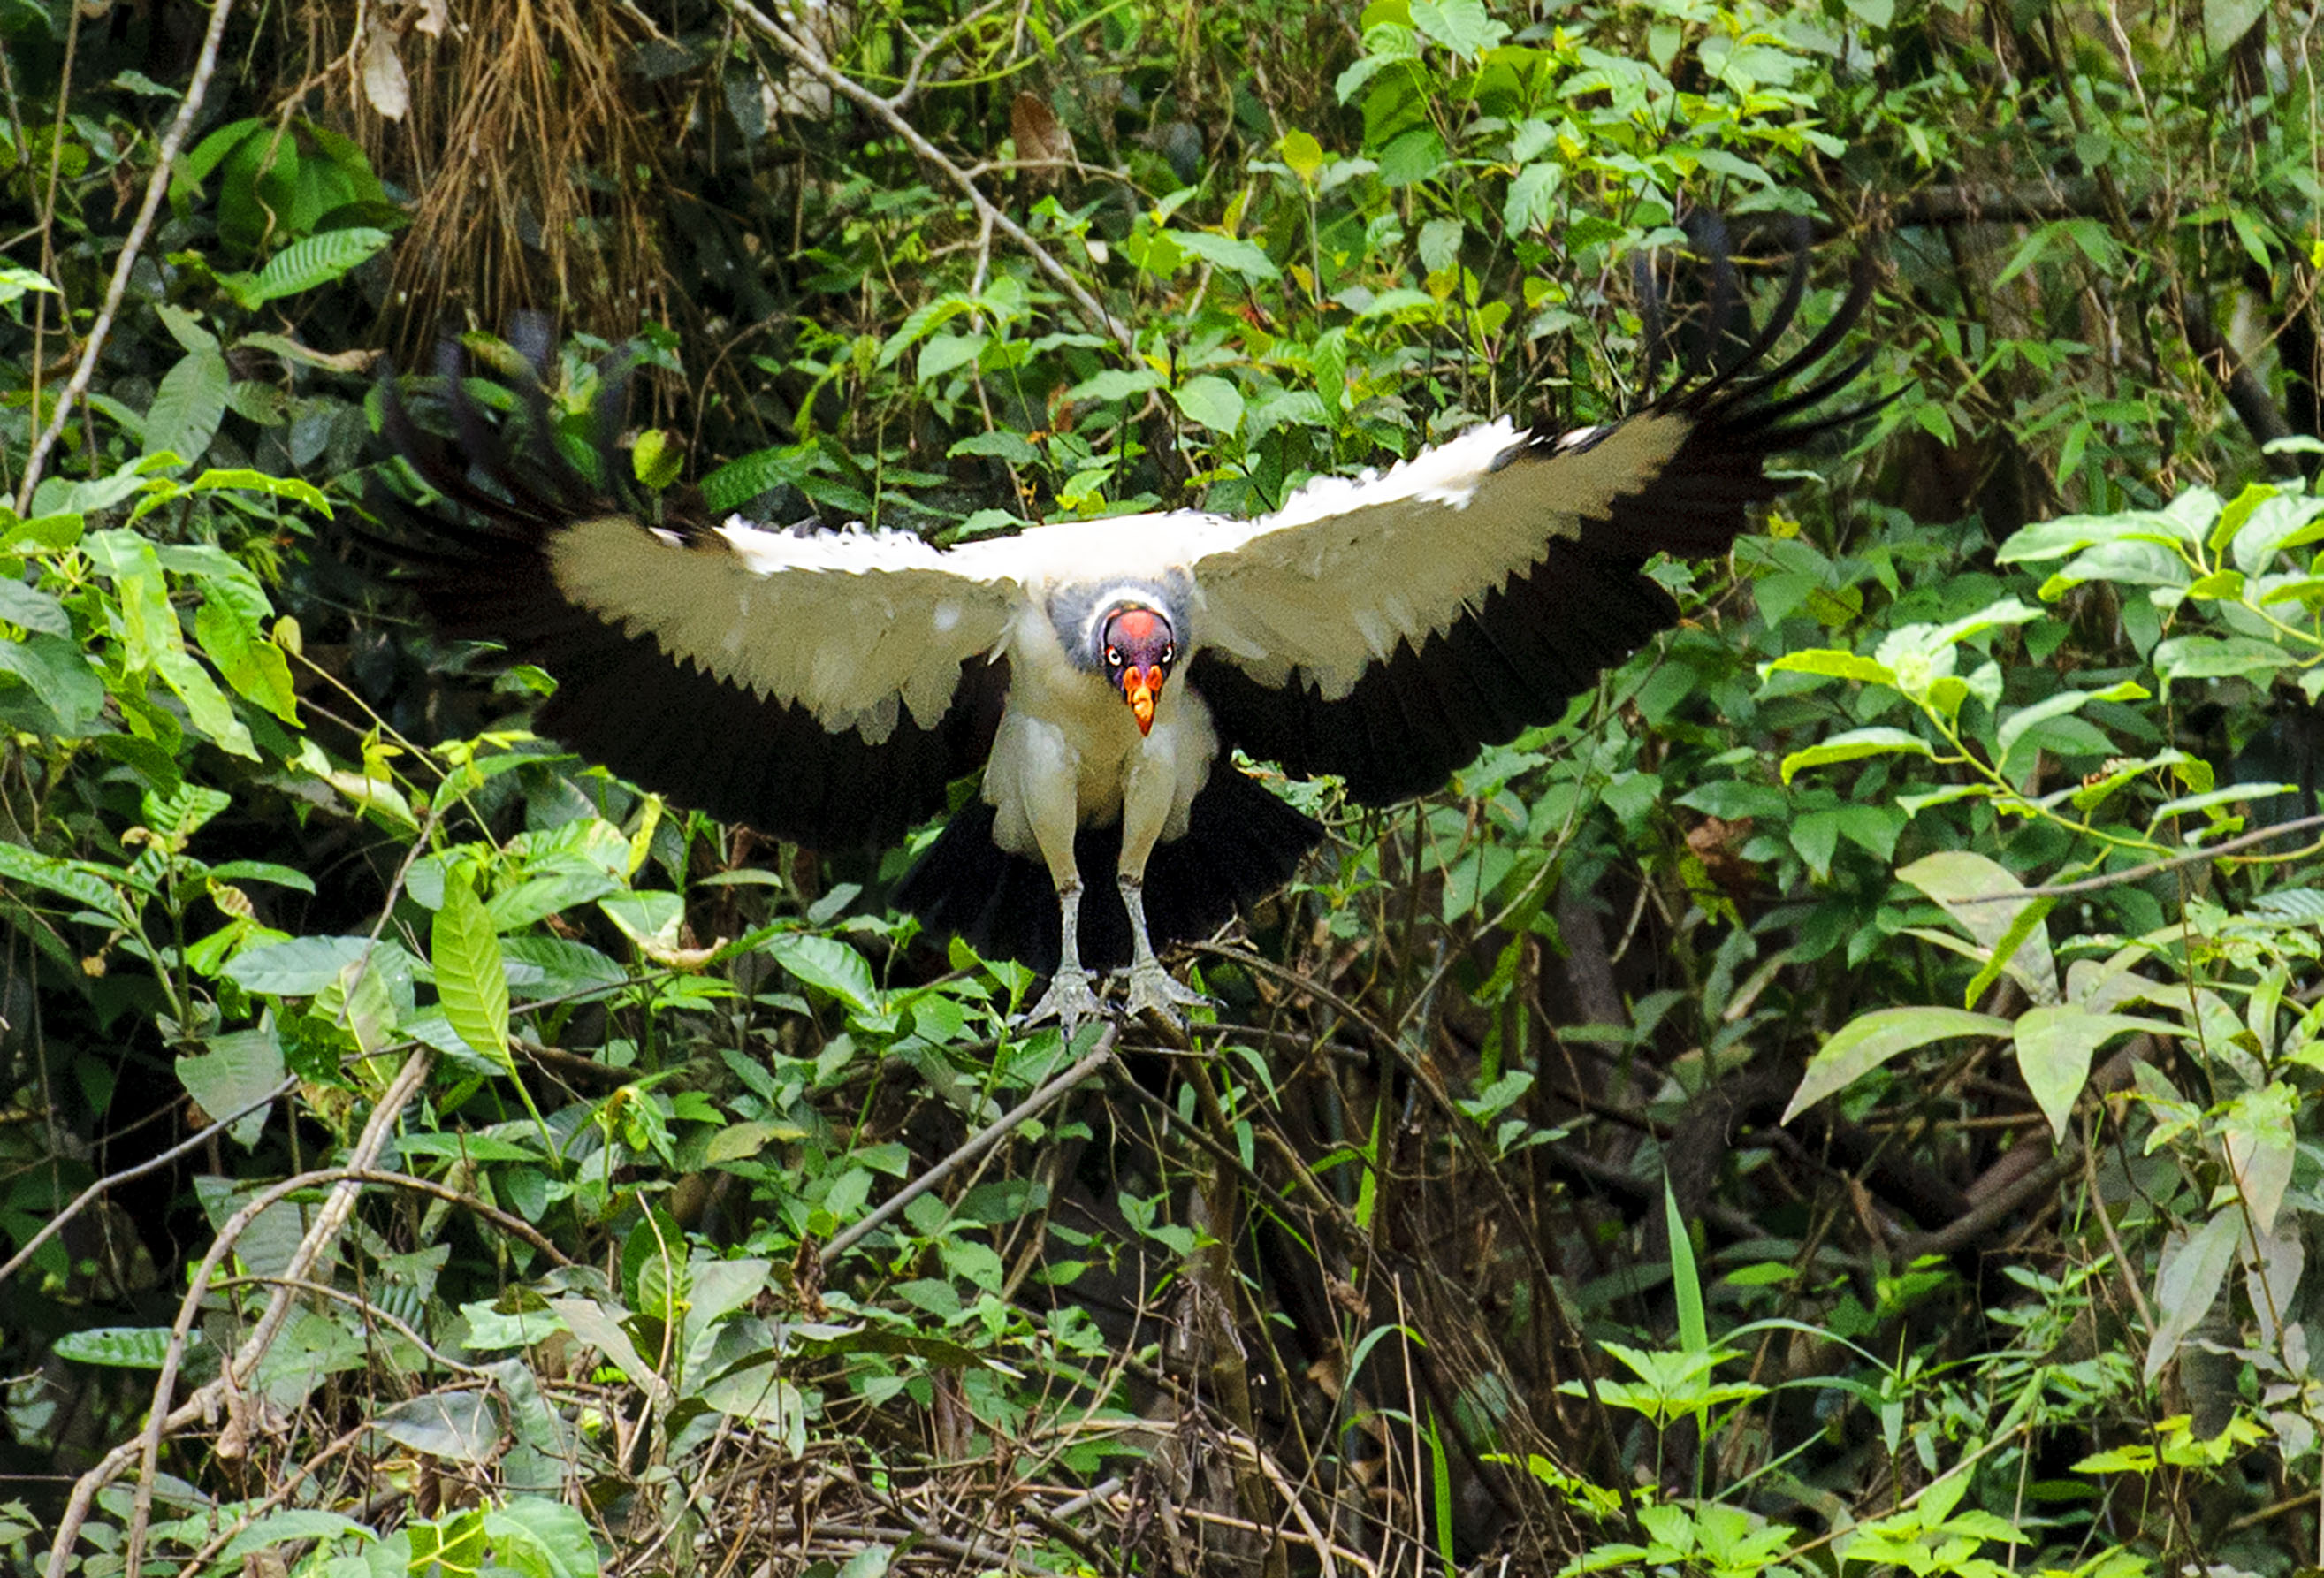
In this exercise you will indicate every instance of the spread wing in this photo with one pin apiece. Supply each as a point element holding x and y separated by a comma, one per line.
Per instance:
<point>1385,628</point>
<point>819,686</point>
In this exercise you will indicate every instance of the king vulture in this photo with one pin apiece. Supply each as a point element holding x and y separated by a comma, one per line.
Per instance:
<point>829,686</point>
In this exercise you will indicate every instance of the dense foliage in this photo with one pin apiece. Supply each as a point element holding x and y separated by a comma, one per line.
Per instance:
<point>1843,1101</point>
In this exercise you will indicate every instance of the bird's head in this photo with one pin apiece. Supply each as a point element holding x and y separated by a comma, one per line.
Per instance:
<point>1137,647</point>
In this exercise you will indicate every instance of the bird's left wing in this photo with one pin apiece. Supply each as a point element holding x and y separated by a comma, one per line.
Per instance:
<point>1384,628</point>
<point>820,686</point>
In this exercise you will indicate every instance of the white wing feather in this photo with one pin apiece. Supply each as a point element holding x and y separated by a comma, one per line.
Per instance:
<point>850,625</point>
<point>1350,567</point>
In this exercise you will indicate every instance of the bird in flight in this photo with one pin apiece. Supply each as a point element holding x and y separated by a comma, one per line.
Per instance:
<point>829,686</point>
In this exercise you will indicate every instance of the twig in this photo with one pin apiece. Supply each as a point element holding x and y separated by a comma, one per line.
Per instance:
<point>977,1145</point>
<point>885,110</point>
<point>146,1448</point>
<point>2153,868</point>
<point>155,187</point>
<point>111,1181</point>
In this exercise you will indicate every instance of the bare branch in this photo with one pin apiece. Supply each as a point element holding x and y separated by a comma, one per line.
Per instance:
<point>155,187</point>
<point>887,113</point>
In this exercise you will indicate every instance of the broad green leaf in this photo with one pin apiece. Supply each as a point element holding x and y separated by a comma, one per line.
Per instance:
<point>540,1538</point>
<point>298,968</point>
<point>1980,896</point>
<point>1869,1040</point>
<point>32,609</point>
<point>2193,1268</point>
<point>2210,657</point>
<point>827,965</point>
<point>1834,663</point>
<point>288,1524</point>
<point>2225,22</point>
<point>2261,1141</point>
<point>2012,727</point>
<point>16,281</point>
<point>147,621</point>
<point>2055,1043</point>
<point>471,982</point>
<point>1116,384</point>
<point>1231,252</point>
<point>1532,199</point>
<point>1854,743</point>
<point>448,1547</point>
<point>1214,402</point>
<point>1462,26</point>
<point>228,625</point>
<point>316,260</point>
<point>121,1347</point>
<point>188,406</point>
<point>55,670</point>
<point>236,1070</point>
<point>1303,155</point>
<point>205,704</point>
<point>458,1427</point>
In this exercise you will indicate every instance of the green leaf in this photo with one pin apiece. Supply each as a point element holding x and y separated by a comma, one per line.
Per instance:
<point>827,965</point>
<point>1869,1040</point>
<point>317,260</point>
<point>448,1547</point>
<point>2188,1282</point>
<point>1832,663</point>
<point>471,982</point>
<point>2210,657</point>
<point>1214,402</point>
<point>56,671</point>
<point>1116,384</point>
<point>541,1538</point>
<point>2262,1141</point>
<point>242,479</point>
<point>1532,197</point>
<point>1854,743</point>
<point>16,281</point>
<point>32,609</point>
<point>1686,1284</point>
<point>1462,26</point>
<point>228,629</point>
<point>120,1347</point>
<point>2055,1043</point>
<point>1229,252</point>
<point>1980,895</point>
<point>236,1070</point>
<point>1303,155</point>
<point>189,406</point>
<point>298,968</point>
<point>205,704</point>
<point>288,1524</point>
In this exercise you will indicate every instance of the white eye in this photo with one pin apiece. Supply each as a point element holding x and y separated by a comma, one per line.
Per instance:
<point>1169,650</point>
<point>1114,657</point>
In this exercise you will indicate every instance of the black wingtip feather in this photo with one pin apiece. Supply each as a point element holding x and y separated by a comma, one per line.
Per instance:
<point>475,553</point>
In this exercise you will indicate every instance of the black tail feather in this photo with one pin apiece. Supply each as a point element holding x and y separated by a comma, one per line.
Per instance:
<point>1241,843</point>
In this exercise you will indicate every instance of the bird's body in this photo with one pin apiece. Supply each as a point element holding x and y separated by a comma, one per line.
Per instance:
<point>828,686</point>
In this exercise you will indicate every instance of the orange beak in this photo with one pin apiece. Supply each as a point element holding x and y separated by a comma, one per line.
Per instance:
<point>1143,688</point>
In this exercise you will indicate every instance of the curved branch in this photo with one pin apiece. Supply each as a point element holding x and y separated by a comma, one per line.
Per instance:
<point>887,114</point>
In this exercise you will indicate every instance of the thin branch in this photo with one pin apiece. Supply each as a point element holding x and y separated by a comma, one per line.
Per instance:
<point>155,186</point>
<point>111,1181</point>
<point>978,1144</point>
<point>2151,868</point>
<point>886,111</point>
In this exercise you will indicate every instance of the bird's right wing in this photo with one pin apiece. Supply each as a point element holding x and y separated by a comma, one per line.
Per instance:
<point>1385,627</point>
<point>820,686</point>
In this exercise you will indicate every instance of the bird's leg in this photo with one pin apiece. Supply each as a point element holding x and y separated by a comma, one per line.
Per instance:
<point>1151,987</point>
<point>1070,999</point>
